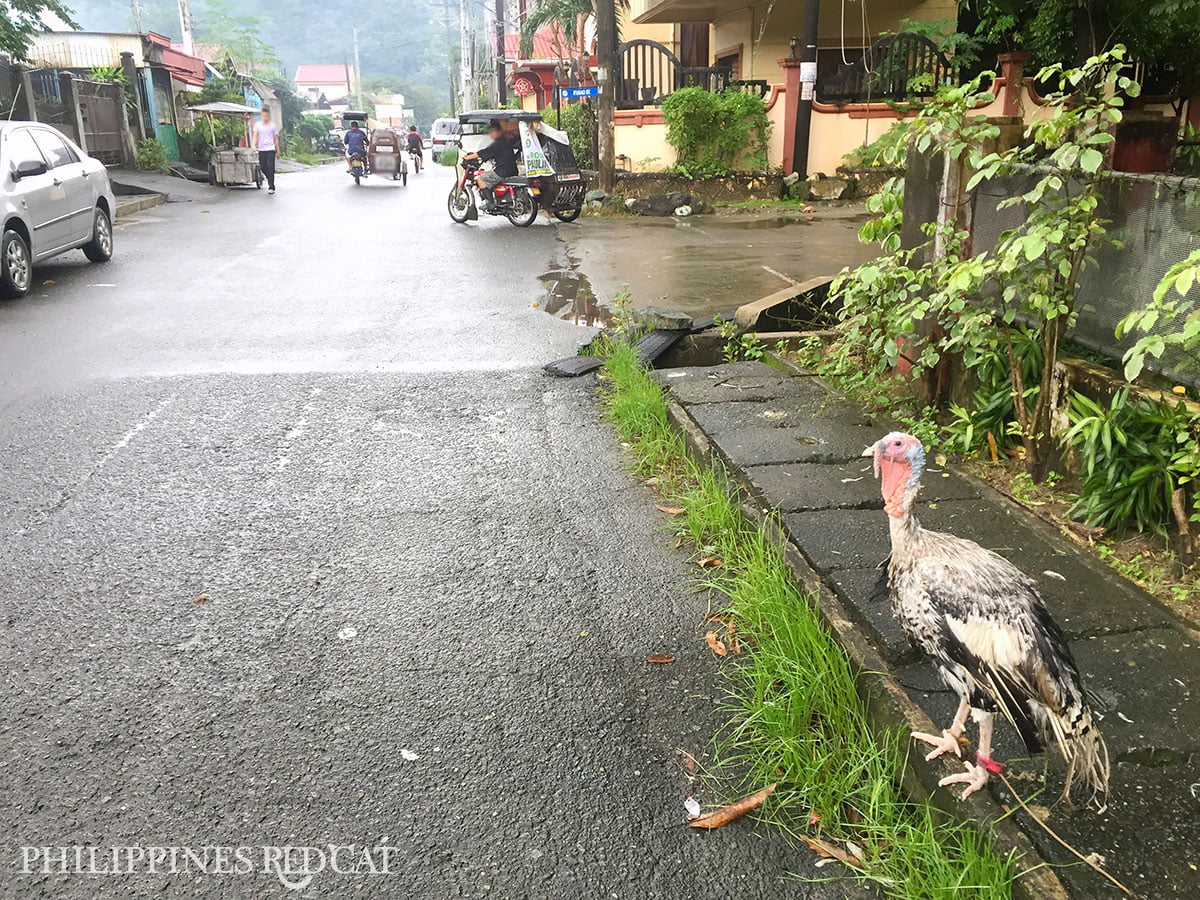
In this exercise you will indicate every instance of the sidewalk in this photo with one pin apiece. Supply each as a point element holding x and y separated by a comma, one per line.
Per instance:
<point>794,446</point>
<point>705,264</point>
<point>134,182</point>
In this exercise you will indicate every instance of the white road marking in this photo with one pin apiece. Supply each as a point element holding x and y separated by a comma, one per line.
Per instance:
<point>777,274</point>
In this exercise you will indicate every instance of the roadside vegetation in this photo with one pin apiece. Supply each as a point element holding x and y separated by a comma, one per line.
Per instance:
<point>714,134</point>
<point>964,347</point>
<point>797,721</point>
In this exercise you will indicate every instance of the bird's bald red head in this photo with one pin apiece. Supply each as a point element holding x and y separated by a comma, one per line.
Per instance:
<point>899,461</point>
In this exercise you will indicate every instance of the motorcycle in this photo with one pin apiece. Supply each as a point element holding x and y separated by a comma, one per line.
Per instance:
<point>552,181</point>
<point>358,167</point>
<point>512,198</point>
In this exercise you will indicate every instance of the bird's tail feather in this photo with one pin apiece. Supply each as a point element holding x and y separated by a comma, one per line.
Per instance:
<point>1086,754</point>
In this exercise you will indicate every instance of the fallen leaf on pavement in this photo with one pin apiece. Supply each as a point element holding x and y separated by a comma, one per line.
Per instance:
<point>715,644</point>
<point>735,646</point>
<point>201,598</point>
<point>669,510</point>
<point>736,810</point>
<point>689,761</point>
<point>708,562</point>
<point>826,850</point>
<point>661,658</point>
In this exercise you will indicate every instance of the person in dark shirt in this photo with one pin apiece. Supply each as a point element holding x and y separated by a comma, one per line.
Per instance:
<point>501,155</point>
<point>356,142</point>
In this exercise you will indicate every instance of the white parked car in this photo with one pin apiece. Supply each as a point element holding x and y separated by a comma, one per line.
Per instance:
<point>53,198</point>
<point>444,133</point>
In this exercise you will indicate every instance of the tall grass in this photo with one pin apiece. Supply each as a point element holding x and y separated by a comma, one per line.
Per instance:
<point>796,717</point>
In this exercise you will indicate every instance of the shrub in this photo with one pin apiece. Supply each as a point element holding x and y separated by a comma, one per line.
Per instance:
<point>151,157</point>
<point>579,123</point>
<point>1133,456</point>
<point>712,133</point>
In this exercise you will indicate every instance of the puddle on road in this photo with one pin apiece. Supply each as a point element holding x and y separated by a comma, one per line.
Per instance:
<point>569,297</point>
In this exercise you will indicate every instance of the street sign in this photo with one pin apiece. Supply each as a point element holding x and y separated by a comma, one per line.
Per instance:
<point>572,93</point>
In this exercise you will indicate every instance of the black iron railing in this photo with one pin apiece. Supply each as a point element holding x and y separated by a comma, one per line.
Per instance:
<point>896,67</point>
<point>649,71</point>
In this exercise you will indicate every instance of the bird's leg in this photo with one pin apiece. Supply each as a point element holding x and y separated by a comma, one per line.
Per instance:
<point>948,742</point>
<point>976,776</point>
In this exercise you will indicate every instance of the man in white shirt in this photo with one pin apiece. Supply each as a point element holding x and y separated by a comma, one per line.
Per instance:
<point>265,139</point>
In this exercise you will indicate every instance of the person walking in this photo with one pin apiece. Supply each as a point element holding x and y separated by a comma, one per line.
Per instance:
<point>266,142</point>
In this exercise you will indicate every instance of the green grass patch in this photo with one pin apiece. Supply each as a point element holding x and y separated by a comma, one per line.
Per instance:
<point>796,717</point>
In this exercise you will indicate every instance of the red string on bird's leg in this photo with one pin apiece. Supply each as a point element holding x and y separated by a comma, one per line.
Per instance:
<point>990,764</point>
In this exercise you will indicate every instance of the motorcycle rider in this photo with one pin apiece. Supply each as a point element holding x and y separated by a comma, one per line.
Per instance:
<point>415,144</point>
<point>503,157</point>
<point>356,142</point>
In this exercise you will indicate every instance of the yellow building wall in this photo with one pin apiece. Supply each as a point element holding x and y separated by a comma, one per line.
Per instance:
<point>645,146</point>
<point>762,60</point>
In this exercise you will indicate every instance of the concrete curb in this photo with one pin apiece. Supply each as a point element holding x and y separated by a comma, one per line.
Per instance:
<point>887,703</point>
<point>138,202</point>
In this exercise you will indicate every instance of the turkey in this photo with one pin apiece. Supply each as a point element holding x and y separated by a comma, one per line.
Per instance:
<point>982,622</point>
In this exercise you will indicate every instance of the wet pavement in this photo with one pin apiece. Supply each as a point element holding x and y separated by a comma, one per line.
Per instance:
<point>301,548</point>
<point>709,264</point>
<point>796,448</point>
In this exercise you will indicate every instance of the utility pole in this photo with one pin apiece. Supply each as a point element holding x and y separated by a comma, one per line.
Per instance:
<point>808,79</point>
<point>449,58</point>
<point>185,26</point>
<point>357,72</point>
<point>607,73</point>
<point>501,75</point>
<point>466,60</point>
<point>136,7</point>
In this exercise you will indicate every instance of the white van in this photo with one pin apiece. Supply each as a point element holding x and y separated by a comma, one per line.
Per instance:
<point>444,132</point>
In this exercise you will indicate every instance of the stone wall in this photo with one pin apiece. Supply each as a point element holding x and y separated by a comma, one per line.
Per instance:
<point>711,188</point>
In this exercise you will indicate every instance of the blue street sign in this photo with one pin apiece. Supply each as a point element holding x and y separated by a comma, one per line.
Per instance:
<point>574,92</point>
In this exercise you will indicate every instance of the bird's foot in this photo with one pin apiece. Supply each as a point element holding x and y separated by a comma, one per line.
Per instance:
<point>947,743</point>
<point>975,777</point>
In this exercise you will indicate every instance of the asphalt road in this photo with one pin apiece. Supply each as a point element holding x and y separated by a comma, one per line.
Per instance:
<point>301,548</point>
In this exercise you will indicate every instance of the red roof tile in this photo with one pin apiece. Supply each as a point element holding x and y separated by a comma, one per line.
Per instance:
<point>546,45</point>
<point>316,73</point>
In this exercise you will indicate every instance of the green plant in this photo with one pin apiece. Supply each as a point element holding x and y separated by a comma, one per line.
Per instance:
<point>313,128</point>
<point>151,157</point>
<point>1169,304</point>
<point>1162,34</point>
<point>738,346</point>
<point>625,324</point>
<point>1187,151</point>
<point>1133,455</point>
<point>895,304</point>
<point>1037,264</point>
<point>713,133</point>
<point>23,19</point>
<point>107,75</point>
<point>993,410</point>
